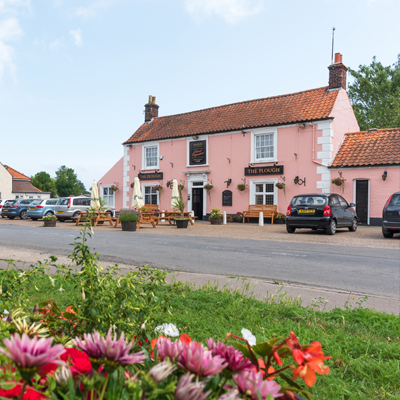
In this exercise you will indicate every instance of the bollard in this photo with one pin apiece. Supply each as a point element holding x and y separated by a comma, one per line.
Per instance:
<point>224,218</point>
<point>261,219</point>
<point>192,214</point>
<point>162,216</point>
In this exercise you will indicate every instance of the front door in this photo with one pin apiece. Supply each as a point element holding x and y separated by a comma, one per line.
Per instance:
<point>197,202</point>
<point>362,201</point>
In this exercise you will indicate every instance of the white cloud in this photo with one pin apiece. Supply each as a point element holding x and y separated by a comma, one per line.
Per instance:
<point>231,10</point>
<point>56,44</point>
<point>11,6</point>
<point>94,9</point>
<point>77,35</point>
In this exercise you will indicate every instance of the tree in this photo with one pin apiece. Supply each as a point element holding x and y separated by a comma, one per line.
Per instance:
<point>67,182</point>
<point>44,182</point>
<point>375,95</point>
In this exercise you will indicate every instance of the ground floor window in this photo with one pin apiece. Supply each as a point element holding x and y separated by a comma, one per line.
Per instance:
<point>150,194</point>
<point>263,192</point>
<point>108,196</point>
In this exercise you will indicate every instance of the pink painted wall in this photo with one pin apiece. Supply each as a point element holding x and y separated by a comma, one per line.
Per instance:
<point>379,190</point>
<point>115,174</point>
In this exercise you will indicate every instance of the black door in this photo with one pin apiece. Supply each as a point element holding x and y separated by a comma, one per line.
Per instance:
<point>362,201</point>
<point>197,202</point>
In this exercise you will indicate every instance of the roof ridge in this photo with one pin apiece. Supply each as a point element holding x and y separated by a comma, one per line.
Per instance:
<point>243,102</point>
<point>375,131</point>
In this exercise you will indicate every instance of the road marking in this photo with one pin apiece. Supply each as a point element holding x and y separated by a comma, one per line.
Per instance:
<point>288,254</point>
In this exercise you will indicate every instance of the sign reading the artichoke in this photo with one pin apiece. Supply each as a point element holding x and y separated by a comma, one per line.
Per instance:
<point>274,170</point>
<point>152,176</point>
<point>198,152</point>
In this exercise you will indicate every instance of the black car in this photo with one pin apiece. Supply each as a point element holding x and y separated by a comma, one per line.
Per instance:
<point>391,216</point>
<point>16,208</point>
<point>320,211</point>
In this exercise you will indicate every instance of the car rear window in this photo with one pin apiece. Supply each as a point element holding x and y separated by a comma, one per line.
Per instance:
<point>308,201</point>
<point>395,200</point>
<point>63,202</point>
<point>9,202</point>
<point>36,202</point>
<point>25,201</point>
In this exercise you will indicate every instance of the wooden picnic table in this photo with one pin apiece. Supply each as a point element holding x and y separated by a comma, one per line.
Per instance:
<point>96,218</point>
<point>145,218</point>
<point>170,216</point>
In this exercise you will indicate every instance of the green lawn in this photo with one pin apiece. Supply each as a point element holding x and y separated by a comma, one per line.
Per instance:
<point>364,344</point>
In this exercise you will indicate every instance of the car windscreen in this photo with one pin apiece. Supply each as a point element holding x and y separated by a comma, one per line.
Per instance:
<point>36,202</point>
<point>395,200</point>
<point>62,202</point>
<point>309,201</point>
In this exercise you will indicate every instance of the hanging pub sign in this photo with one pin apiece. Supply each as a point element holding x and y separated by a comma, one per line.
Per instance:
<point>227,198</point>
<point>151,176</point>
<point>198,152</point>
<point>274,170</point>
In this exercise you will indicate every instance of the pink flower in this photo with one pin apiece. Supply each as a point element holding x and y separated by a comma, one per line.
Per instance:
<point>187,389</point>
<point>168,349</point>
<point>162,370</point>
<point>31,354</point>
<point>108,351</point>
<point>252,384</point>
<point>195,359</point>
<point>234,358</point>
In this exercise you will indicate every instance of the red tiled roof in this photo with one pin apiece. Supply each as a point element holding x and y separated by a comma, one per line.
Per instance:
<point>15,174</point>
<point>24,187</point>
<point>315,104</point>
<point>373,147</point>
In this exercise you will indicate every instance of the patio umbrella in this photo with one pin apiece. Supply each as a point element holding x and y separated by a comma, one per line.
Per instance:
<point>175,193</point>
<point>94,196</point>
<point>137,198</point>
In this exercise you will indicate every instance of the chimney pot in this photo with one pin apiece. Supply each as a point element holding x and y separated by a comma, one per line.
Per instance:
<point>338,58</point>
<point>150,109</point>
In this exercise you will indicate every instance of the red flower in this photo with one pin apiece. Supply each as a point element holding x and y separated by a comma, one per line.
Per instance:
<point>47,369</point>
<point>261,365</point>
<point>185,338</point>
<point>80,361</point>
<point>30,394</point>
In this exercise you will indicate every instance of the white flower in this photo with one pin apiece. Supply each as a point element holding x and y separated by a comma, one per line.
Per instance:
<point>61,289</point>
<point>143,326</point>
<point>21,274</point>
<point>51,280</point>
<point>83,294</point>
<point>5,312</point>
<point>249,337</point>
<point>167,329</point>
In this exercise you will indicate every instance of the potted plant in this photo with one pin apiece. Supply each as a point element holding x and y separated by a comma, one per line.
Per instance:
<point>239,216</point>
<point>114,188</point>
<point>339,181</point>
<point>158,188</point>
<point>216,216</point>
<point>180,205</point>
<point>281,186</point>
<point>128,219</point>
<point>208,187</point>
<point>241,187</point>
<point>49,221</point>
<point>279,218</point>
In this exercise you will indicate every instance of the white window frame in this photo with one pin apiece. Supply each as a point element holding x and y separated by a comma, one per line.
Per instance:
<point>102,195</point>
<point>253,192</point>
<point>260,132</point>
<point>188,149</point>
<point>144,185</point>
<point>147,146</point>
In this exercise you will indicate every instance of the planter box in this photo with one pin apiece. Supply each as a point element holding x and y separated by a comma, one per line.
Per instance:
<point>216,221</point>
<point>50,223</point>
<point>129,226</point>
<point>279,221</point>
<point>182,223</point>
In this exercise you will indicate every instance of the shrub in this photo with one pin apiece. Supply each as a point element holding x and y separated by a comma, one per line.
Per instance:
<point>128,216</point>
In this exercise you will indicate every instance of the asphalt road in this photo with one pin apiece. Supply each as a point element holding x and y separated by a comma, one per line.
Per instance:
<point>363,270</point>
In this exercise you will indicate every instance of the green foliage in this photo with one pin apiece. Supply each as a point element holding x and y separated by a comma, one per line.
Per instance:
<point>215,213</point>
<point>128,216</point>
<point>375,95</point>
<point>180,205</point>
<point>44,182</point>
<point>67,182</point>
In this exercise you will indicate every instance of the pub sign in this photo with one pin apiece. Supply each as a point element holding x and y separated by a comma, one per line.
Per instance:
<point>151,176</point>
<point>227,198</point>
<point>274,170</point>
<point>198,152</point>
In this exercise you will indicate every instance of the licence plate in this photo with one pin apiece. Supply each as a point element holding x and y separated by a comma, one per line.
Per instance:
<point>31,208</point>
<point>306,211</point>
<point>60,212</point>
<point>5,209</point>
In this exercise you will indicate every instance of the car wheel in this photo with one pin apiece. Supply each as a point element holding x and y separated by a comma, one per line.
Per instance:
<point>48,213</point>
<point>386,234</point>
<point>289,229</point>
<point>23,215</point>
<point>61,219</point>
<point>12,217</point>
<point>35,219</point>
<point>331,229</point>
<point>353,226</point>
<point>3,216</point>
<point>76,215</point>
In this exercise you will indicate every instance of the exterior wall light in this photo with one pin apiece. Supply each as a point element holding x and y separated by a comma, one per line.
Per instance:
<point>384,176</point>
<point>195,137</point>
<point>298,181</point>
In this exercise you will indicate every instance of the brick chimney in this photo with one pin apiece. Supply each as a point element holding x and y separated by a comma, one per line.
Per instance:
<point>150,109</point>
<point>337,73</point>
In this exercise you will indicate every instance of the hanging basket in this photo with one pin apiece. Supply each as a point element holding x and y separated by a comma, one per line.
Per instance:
<point>241,187</point>
<point>338,181</point>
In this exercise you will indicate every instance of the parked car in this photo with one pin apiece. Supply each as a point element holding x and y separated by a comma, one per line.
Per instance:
<point>69,207</point>
<point>16,208</point>
<point>320,211</point>
<point>2,202</point>
<point>391,216</point>
<point>41,207</point>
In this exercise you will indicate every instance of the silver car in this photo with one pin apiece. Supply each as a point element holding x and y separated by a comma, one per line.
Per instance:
<point>69,207</point>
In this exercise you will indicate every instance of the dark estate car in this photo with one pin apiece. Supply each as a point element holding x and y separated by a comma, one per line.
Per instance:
<point>391,216</point>
<point>16,208</point>
<point>320,211</point>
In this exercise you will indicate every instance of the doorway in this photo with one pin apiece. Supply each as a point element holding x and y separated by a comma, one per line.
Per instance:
<point>362,200</point>
<point>197,202</point>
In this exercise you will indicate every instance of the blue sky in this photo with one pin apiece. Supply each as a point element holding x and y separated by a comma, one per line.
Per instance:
<point>75,74</point>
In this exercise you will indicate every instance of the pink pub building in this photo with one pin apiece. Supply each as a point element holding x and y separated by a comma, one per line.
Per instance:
<point>291,139</point>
